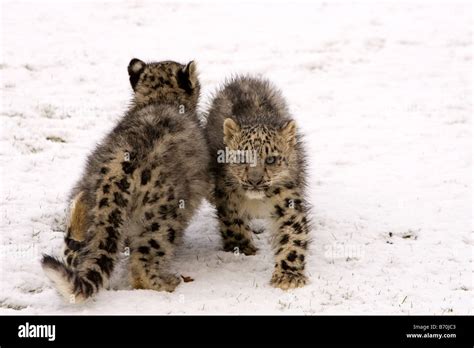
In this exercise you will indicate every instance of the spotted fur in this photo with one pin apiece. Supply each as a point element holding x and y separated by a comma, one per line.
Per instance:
<point>142,184</point>
<point>250,114</point>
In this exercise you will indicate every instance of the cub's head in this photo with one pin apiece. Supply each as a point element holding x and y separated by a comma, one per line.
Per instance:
<point>261,157</point>
<point>164,82</point>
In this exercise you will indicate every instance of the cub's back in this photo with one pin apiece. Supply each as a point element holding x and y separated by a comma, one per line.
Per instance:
<point>157,136</point>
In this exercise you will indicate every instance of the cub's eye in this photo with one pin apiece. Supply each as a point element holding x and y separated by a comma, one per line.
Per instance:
<point>270,160</point>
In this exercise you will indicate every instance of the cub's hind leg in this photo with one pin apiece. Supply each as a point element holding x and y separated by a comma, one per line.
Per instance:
<point>151,253</point>
<point>153,246</point>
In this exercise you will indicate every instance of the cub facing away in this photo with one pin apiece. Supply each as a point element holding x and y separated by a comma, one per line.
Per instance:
<point>142,183</point>
<point>263,174</point>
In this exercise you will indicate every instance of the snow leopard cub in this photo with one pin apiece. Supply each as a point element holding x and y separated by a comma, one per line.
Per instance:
<point>142,183</point>
<point>266,179</point>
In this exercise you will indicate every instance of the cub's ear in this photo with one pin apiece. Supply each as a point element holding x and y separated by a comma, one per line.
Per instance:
<point>230,129</point>
<point>135,68</point>
<point>288,132</point>
<point>188,77</point>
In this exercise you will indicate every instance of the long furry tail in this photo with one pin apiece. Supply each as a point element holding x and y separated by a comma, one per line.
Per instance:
<point>70,285</point>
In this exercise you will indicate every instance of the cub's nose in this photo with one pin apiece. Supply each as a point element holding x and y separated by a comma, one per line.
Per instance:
<point>255,176</point>
<point>255,180</point>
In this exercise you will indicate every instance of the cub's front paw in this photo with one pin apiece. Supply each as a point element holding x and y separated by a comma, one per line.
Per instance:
<point>163,282</point>
<point>286,281</point>
<point>169,282</point>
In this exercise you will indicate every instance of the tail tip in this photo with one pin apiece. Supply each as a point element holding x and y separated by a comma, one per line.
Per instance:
<point>50,262</point>
<point>59,275</point>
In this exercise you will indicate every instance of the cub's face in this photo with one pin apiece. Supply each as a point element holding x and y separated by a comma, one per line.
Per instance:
<point>265,156</point>
<point>164,82</point>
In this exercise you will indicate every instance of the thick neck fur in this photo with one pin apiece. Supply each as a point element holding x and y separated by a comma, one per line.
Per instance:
<point>183,104</point>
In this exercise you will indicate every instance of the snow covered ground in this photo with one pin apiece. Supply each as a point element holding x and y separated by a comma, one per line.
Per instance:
<point>382,90</point>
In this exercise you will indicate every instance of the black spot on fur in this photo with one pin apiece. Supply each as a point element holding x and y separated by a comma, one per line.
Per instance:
<point>82,286</point>
<point>229,233</point>
<point>279,211</point>
<point>154,198</point>
<point>291,256</point>
<point>171,235</point>
<point>146,176</point>
<point>128,167</point>
<point>73,244</point>
<point>123,185</point>
<point>146,198</point>
<point>115,218</point>
<point>298,228</point>
<point>111,232</point>
<point>284,239</point>
<point>284,265</point>
<point>154,244</point>
<point>95,277</point>
<point>160,253</point>
<point>106,188</point>
<point>155,226</point>
<point>149,215</point>
<point>104,170</point>
<point>288,222</point>
<point>144,250</point>
<point>110,243</point>
<point>104,202</point>
<point>120,200</point>
<point>105,263</point>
